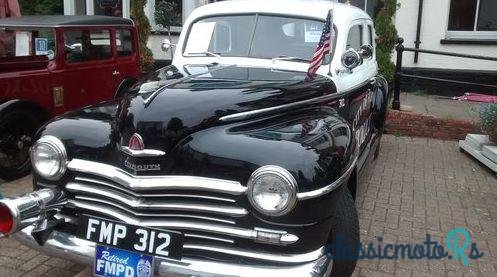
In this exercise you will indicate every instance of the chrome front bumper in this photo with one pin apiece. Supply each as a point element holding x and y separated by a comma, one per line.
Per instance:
<point>68,246</point>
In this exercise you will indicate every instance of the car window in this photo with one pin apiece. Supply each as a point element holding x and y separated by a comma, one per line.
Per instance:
<point>255,36</point>
<point>227,35</point>
<point>354,39</point>
<point>87,45</point>
<point>371,35</point>
<point>124,43</point>
<point>296,37</point>
<point>27,42</point>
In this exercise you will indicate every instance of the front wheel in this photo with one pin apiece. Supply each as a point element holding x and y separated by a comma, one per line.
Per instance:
<point>17,130</point>
<point>344,236</point>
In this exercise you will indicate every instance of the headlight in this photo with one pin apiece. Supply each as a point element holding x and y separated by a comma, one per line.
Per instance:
<point>272,190</point>
<point>49,157</point>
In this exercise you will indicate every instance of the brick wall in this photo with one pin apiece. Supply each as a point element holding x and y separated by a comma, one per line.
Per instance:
<point>421,125</point>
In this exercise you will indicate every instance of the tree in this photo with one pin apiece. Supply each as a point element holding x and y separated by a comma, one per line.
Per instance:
<point>143,26</point>
<point>387,37</point>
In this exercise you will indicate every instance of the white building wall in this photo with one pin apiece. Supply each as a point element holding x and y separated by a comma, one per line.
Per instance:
<point>433,29</point>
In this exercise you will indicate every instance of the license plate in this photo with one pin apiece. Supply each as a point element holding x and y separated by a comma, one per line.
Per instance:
<point>113,262</point>
<point>148,241</point>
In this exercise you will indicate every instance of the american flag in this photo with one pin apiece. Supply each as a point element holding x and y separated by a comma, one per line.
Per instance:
<point>322,49</point>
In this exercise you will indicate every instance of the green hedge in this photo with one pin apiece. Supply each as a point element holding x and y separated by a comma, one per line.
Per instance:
<point>387,37</point>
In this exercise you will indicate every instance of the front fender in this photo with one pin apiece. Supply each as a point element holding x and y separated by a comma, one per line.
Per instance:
<point>314,145</point>
<point>17,104</point>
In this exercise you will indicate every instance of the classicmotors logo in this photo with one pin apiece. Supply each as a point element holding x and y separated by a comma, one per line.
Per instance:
<point>458,247</point>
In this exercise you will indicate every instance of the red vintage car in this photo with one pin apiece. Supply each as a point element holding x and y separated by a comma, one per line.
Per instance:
<point>53,64</point>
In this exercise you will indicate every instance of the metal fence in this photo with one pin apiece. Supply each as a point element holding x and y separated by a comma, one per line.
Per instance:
<point>399,75</point>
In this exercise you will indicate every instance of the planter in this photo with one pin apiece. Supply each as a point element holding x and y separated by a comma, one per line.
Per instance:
<point>482,149</point>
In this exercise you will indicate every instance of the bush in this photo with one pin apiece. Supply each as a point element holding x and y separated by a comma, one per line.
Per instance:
<point>143,26</point>
<point>387,38</point>
<point>488,120</point>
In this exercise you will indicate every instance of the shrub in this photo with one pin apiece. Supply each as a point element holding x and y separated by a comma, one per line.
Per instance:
<point>387,38</point>
<point>143,27</point>
<point>488,120</point>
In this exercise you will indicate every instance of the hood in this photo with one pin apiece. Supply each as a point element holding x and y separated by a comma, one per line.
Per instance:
<point>172,103</point>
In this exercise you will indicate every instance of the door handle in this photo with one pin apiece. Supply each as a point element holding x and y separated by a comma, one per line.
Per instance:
<point>115,73</point>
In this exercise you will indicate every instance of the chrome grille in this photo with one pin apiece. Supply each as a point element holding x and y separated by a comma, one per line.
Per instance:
<point>203,209</point>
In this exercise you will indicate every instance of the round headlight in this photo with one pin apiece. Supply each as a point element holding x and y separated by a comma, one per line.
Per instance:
<point>49,157</point>
<point>272,190</point>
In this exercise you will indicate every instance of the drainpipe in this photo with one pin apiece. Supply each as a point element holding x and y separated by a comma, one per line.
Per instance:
<point>418,30</point>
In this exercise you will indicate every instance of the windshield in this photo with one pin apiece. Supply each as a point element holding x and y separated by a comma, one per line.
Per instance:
<point>21,43</point>
<point>255,36</point>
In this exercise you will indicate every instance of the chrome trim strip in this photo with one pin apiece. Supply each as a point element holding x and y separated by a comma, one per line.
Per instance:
<point>144,204</point>
<point>312,264</point>
<point>188,235</point>
<point>282,258</point>
<point>142,153</point>
<point>155,195</point>
<point>141,183</point>
<point>324,190</point>
<point>173,224</point>
<point>157,215</point>
<point>270,110</point>
<point>180,224</point>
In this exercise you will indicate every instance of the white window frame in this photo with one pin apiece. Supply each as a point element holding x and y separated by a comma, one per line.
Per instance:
<point>70,7</point>
<point>469,35</point>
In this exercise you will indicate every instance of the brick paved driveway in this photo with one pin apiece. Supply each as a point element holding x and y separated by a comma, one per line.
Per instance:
<point>417,186</point>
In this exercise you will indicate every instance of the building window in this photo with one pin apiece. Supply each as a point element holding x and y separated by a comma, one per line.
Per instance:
<point>473,15</point>
<point>108,7</point>
<point>171,12</point>
<point>472,19</point>
<point>80,7</point>
<point>370,6</point>
<point>39,7</point>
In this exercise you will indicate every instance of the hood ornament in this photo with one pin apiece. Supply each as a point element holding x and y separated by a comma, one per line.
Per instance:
<point>136,148</point>
<point>136,142</point>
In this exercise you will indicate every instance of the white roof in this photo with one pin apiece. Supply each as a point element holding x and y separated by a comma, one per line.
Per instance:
<point>343,13</point>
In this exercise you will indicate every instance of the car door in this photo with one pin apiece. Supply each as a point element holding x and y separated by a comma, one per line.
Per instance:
<point>359,82</point>
<point>89,67</point>
<point>127,58</point>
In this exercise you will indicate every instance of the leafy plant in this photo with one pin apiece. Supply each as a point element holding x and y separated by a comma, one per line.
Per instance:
<point>488,120</point>
<point>143,26</point>
<point>167,14</point>
<point>387,37</point>
<point>41,7</point>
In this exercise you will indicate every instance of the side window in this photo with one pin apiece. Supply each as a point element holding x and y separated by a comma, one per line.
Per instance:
<point>371,35</point>
<point>124,43</point>
<point>354,39</point>
<point>87,45</point>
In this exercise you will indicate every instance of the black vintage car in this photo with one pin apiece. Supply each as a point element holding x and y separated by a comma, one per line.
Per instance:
<point>214,167</point>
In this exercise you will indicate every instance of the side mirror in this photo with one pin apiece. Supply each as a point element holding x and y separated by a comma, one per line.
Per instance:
<point>167,44</point>
<point>366,51</point>
<point>351,59</point>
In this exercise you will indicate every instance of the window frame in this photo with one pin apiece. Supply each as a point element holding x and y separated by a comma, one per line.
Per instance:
<point>469,35</point>
<point>133,53</point>
<point>187,36</point>
<point>89,62</point>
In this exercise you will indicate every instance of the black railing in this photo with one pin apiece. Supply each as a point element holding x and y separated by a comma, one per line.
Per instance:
<point>399,74</point>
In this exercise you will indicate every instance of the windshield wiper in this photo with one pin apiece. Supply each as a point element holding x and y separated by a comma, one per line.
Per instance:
<point>287,58</point>
<point>205,53</point>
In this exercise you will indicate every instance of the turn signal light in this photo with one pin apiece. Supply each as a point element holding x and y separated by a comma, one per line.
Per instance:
<point>6,219</point>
